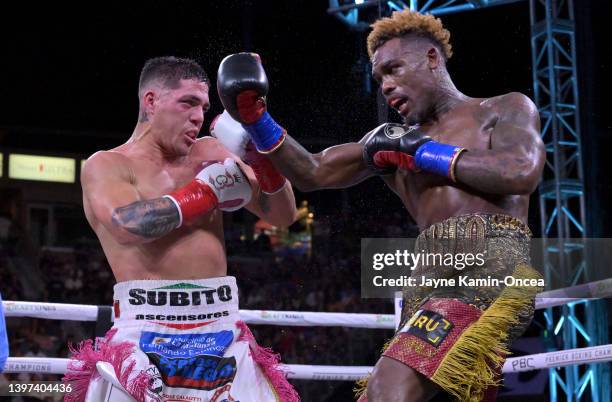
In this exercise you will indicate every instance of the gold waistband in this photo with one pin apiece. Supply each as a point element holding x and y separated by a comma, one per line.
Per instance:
<point>477,226</point>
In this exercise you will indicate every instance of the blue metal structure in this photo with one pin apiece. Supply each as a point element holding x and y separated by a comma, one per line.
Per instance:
<point>562,205</point>
<point>561,193</point>
<point>351,12</point>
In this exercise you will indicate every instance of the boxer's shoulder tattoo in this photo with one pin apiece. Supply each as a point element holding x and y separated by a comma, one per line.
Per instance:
<point>150,219</point>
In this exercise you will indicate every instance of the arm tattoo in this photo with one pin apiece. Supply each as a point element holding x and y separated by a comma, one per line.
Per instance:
<point>150,219</point>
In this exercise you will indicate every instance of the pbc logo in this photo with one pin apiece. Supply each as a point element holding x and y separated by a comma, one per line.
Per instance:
<point>395,131</point>
<point>174,296</point>
<point>523,363</point>
<point>428,326</point>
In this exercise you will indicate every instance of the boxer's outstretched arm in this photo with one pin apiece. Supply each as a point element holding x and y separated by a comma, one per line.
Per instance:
<point>516,159</point>
<point>115,203</point>
<point>339,166</point>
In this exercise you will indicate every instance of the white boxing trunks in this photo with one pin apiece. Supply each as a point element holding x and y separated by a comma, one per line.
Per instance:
<point>180,341</point>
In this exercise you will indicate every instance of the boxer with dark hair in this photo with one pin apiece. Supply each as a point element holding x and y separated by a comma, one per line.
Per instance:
<point>156,206</point>
<point>464,168</point>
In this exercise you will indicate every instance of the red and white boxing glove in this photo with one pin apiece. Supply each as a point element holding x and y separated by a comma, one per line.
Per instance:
<point>218,185</point>
<point>237,140</point>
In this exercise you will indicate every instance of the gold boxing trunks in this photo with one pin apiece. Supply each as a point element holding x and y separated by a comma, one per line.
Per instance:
<point>458,336</point>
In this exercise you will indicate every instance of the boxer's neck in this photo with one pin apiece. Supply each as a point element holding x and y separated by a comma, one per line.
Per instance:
<point>446,97</point>
<point>145,141</point>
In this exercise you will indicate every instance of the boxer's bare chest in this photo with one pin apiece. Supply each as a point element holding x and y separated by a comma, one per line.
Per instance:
<point>430,198</point>
<point>195,250</point>
<point>153,178</point>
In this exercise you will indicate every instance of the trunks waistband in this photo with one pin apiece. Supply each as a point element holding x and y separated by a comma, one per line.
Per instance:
<point>476,226</point>
<point>181,301</point>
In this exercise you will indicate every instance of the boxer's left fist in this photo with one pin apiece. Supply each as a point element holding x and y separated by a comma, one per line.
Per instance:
<point>392,145</point>
<point>242,85</point>
<point>231,134</point>
<point>228,182</point>
<point>237,140</point>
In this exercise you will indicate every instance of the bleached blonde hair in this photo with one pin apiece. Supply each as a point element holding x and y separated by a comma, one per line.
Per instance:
<point>406,22</point>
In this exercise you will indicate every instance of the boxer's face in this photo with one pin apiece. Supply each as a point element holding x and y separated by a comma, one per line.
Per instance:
<point>401,67</point>
<point>179,114</point>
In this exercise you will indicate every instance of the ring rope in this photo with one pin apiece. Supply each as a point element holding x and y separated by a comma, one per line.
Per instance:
<point>548,360</point>
<point>78,312</point>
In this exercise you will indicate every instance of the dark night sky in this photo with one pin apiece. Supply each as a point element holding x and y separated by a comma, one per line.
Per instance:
<point>70,74</point>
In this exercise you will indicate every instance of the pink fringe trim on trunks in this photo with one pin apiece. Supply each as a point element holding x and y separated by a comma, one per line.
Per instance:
<point>268,361</point>
<point>82,367</point>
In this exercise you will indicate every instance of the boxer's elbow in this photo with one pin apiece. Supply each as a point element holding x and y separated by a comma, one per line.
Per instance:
<point>282,218</point>
<point>324,179</point>
<point>281,209</point>
<point>316,179</point>
<point>304,180</point>
<point>287,216</point>
<point>307,174</point>
<point>523,178</point>
<point>124,232</point>
<point>128,241</point>
<point>125,238</point>
<point>525,185</point>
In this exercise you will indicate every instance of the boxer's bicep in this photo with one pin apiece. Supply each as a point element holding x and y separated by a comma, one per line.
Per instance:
<point>116,204</point>
<point>517,143</point>
<point>106,186</point>
<point>519,148</point>
<point>518,126</point>
<point>514,162</point>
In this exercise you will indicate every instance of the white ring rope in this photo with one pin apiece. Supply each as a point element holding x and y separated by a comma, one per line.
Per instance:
<point>316,318</point>
<point>50,311</point>
<point>77,312</point>
<point>558,297</point>
<point>594,354</point>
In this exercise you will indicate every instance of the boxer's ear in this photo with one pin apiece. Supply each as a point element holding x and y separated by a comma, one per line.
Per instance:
<point>146,105</point>
<point>148,100</point>
<point>433,58</point>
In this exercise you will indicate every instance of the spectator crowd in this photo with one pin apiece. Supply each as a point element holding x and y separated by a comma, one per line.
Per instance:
<point>325,279</point>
